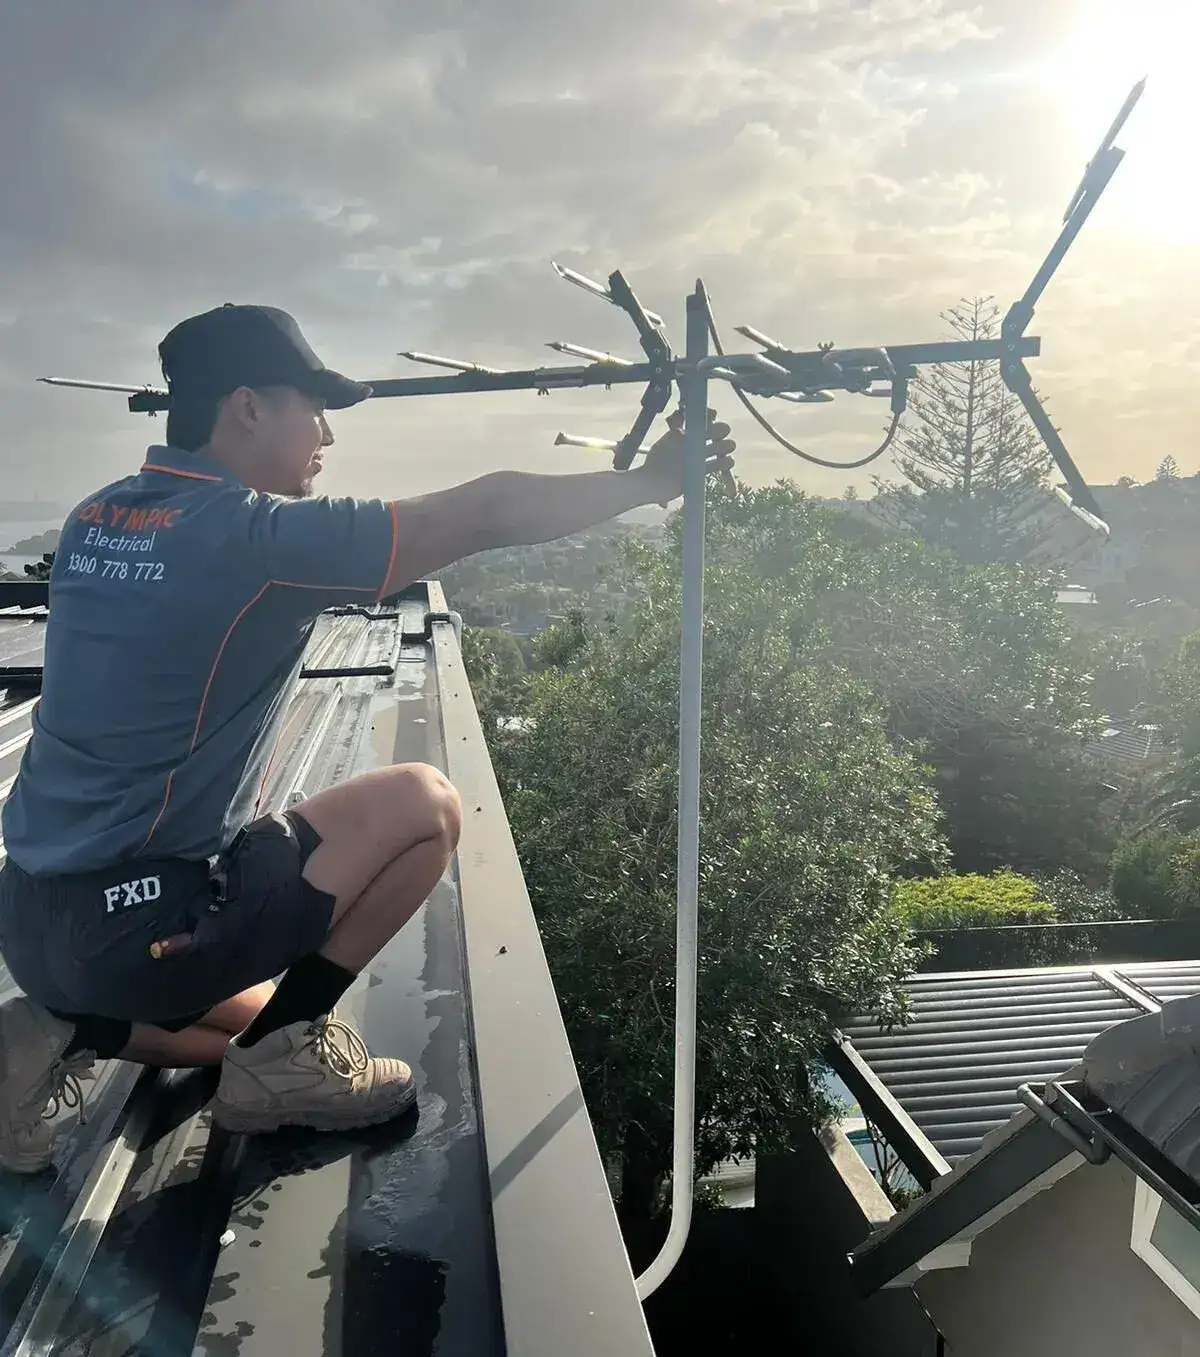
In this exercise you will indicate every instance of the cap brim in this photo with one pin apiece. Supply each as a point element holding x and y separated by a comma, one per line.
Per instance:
<point>337,391</point>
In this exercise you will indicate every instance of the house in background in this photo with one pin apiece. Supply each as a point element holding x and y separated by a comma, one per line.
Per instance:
<point>1049,1224</point>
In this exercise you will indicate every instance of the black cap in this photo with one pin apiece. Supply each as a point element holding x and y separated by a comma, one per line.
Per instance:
<point>210,355</point>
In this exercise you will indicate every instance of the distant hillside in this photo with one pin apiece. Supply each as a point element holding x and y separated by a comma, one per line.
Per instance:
<point>525,589</point>
<point>34,546</point>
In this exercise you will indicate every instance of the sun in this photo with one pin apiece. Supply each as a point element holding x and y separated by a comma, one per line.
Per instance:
<point>1114,43</point>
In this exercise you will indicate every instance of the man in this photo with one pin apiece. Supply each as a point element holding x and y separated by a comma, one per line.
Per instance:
<point>146,905</point>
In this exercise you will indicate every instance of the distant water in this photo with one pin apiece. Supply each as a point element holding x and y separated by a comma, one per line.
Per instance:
<point>11,533</point>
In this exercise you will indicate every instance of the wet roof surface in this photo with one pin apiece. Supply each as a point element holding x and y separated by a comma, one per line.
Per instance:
<point>424,1236</point>
<point>359,1243</point>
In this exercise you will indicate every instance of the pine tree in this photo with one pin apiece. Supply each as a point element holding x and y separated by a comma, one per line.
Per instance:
<point>1168,469</point>
<point>976,468</point>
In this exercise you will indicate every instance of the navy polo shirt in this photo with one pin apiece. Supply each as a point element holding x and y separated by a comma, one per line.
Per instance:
<point>181,602</point>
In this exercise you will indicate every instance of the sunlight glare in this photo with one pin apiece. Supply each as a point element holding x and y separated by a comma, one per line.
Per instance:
<point>1115,43</point>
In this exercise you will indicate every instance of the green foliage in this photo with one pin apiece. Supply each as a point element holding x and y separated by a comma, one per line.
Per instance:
<point>526,589</point>
<point>848,677</point>
<point>1172,794</point>
<point>1185,875</point>
<point>1076,900</point>
<point>1011,917</point>
<point>976,466</point>
<point>1145,873</point>
<point>1167,469</point>
<point>560,645</point>
<point>708,1197</point>
<point>495,666</point>
<point>807,809</point>
<point>977,668</point>
<point>971,900</point>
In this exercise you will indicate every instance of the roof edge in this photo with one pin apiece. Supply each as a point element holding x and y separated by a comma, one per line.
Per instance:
<point>918,1153</point>
<point>1024,1158</point>
<point>1082,968</point>
<point>543,1160</point>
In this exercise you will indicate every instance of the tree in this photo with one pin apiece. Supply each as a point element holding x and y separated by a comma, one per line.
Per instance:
<point>807,811</point>
<point>977,666</point>
<point>40,570</point>
<point>1171,793</point>
<point>977,469</point>
<point>1167,469</point>
<point>495,666</point>
<point>838,665</point>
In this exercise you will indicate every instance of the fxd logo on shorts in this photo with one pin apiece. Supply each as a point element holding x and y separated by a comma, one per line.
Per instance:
<point>128,893</point>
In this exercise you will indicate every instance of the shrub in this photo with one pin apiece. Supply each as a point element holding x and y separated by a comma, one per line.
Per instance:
<point>1142,873</point>
<point>972,901</point>
<point>1185,875</point>
<point>1076,901</point>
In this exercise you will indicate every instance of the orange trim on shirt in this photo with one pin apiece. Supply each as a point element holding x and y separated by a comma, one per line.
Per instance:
<point>387,574</point>
<point>212,673</point>
<point>174,471</point>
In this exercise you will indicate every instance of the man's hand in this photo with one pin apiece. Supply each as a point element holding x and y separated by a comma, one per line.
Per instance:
<point>665,461</point>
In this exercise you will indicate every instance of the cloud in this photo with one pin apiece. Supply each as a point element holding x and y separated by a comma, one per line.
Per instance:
<point>399,176</point>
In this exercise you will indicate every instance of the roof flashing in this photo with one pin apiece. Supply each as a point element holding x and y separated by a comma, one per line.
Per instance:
<point>937,1230</point>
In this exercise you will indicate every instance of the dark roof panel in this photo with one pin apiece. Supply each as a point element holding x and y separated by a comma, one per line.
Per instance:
<point>975,1037</point>
<point>965,1093</point>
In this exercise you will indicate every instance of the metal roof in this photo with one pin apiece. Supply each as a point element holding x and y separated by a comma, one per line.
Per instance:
<point>22,636</point>
<point>944,1090</point>
<point>974,1037</point>
<point>1133,742</point>
<point>421,1235</point>
<point>1164,980</point>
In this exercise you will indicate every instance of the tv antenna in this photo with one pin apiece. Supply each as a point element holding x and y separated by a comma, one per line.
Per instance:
<point>773,371</point>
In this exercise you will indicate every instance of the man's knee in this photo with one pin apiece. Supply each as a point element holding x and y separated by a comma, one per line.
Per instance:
<point>426,799</point>
<point>384,813</point>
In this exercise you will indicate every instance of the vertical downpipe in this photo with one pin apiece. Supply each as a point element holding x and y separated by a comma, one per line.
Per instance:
<point>695,405</point>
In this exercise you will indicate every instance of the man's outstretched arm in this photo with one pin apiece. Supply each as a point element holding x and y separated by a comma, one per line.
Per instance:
<point>516,508</point>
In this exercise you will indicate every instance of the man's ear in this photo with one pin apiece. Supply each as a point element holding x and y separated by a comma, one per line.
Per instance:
<point>243,406</point>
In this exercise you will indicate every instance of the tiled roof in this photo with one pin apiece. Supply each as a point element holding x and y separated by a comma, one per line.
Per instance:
<point>1127,742</point>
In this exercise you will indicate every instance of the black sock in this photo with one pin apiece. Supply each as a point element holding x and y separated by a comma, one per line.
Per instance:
<point>307,991</point>
<point>108,1037</point>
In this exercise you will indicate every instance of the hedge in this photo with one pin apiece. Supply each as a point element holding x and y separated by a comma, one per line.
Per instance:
<point>972,901</point>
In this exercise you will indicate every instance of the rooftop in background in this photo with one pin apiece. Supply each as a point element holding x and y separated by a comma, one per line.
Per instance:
<point>1129,741</point>
<point>950,1077</point>
<point>951,1093</point>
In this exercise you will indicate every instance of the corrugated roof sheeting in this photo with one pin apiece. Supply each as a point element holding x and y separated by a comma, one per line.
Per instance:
<point>975,1038</point>
<point>22,635</point>
<point>1164,980</point>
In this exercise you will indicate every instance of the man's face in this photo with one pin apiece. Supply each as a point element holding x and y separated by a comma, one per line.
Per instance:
<point>288,435</point>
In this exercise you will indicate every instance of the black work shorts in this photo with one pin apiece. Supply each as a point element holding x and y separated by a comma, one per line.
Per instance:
<point>82,944</point>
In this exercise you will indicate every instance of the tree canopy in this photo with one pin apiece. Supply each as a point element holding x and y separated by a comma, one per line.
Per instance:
<point>845,675</point>
<point>976,467</point>
<point>807,810</point>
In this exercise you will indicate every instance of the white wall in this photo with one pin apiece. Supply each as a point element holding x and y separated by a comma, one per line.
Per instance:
<point>1058,1278</point>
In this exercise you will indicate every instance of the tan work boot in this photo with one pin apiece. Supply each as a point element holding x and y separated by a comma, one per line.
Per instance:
<point>316,1074</point>
<point>35,1082</point>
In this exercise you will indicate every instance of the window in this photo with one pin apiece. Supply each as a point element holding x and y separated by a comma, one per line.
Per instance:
<point>1168,1244</point>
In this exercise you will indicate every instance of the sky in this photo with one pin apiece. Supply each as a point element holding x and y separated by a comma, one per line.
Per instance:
<point>400,176</point>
